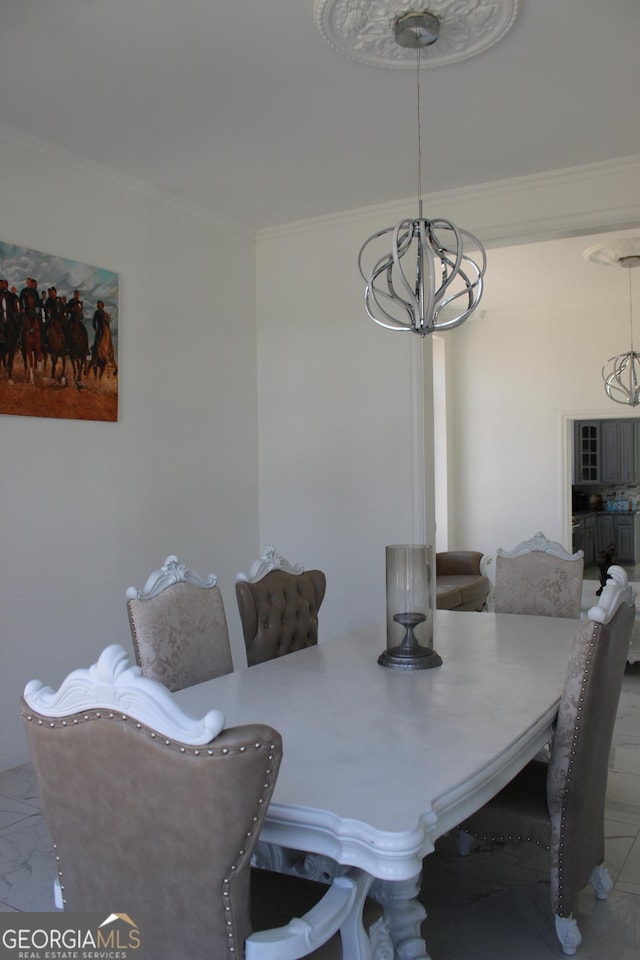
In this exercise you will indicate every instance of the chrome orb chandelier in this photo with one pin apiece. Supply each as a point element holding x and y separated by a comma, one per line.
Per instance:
<point>621,374</point>
<point>420,275</point>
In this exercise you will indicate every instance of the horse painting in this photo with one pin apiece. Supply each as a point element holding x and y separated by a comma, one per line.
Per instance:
<point>31,336</point>
<point>57,345</point>
<point>9,345</point>
<point>102,352</point>
<point>78,345</point>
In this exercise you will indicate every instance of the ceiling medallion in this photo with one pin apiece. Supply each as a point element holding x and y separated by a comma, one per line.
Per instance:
<point>364,30</point>
<point>624,253</point>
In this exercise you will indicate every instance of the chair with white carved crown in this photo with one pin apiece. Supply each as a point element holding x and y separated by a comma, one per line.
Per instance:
<point>179,627</point>
<point>558,802</point>
<point>278,604</point>
<point>540,578</point>
<point>156,813</point>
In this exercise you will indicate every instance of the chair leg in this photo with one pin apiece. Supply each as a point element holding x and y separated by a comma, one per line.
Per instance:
<point>601,882</point>
<point>356,941</point>
<point>568,934</point>
<point>380,941</point>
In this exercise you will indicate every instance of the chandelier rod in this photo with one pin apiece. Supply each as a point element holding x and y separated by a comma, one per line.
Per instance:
<point>630,313</point>
<point>419,135</point>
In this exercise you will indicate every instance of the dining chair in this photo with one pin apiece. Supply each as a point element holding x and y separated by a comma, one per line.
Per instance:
<point>156,813</point>
<point>278,604</point>
<point>178,626</point>
<point>540,578</point>
<point>558,802</point>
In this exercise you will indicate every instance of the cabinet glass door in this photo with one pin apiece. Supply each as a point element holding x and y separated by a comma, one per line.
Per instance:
<point>587,452</point>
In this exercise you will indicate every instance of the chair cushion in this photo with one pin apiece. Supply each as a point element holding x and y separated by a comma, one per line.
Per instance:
<point>448,597</point>
<point>470,588</point>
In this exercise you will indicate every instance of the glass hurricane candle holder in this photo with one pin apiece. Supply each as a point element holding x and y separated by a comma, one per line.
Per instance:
<point>409,570</point>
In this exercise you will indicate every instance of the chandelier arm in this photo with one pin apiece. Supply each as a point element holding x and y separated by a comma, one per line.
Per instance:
<point>385,266</point>
<point>371,239</point>
<point>373,293</point>
<point>392,322</point>
<point>473,291</point>
<point>457,321</point>
<point>398,251</point>
<point>441,249</point>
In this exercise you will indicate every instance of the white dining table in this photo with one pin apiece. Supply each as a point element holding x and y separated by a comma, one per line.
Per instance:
<point>378,763</point>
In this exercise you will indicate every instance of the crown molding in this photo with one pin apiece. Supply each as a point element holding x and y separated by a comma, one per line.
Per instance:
<point>566,202</point>
<point>590,198</point>
<point>122,181</point>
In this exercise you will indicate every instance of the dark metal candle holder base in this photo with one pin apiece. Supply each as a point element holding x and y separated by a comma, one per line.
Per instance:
<point>409,654</point>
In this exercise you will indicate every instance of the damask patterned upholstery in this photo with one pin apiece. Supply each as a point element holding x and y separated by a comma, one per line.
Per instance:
<point>279,612</point>
<point>559,804</point>
<point>538,581</point>
<point>180,635</point>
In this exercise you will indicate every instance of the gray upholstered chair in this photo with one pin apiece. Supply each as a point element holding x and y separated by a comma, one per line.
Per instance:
<point>559,803</point>
<point>539,577</point>
<point>156,813</point>
<point>461,580</point>
<point>278,604</point>
<point>178,627</point>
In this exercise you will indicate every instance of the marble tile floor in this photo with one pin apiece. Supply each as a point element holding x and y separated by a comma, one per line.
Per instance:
<point>492,905</point>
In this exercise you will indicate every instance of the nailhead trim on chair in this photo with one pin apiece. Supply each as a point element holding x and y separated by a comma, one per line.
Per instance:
<point>563,808</point>
<point>576,730</point>
<point>226,884</point>
<point>225,751</point>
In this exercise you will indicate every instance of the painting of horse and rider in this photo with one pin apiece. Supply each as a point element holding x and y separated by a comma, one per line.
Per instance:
<point>58,337</point>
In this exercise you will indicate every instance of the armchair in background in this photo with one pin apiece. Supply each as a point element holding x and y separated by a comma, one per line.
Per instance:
<point>461,580</point>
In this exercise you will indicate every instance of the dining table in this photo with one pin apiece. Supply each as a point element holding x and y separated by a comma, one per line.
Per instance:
<point>380,762</point>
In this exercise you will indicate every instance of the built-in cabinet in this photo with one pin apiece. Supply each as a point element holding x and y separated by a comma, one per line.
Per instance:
<point>586,453</point>
<point>593,533</point>
<point>606,451</point>
<point>605,532</point>
<point>627,530</point>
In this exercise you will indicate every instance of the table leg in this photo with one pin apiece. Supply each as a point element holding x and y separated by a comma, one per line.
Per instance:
<point>404,915</point>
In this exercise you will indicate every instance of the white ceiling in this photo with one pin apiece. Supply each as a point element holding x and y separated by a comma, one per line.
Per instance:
<point>241,106</point>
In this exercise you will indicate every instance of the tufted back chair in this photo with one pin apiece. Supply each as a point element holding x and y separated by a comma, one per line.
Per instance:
<point>559,803</point>
<point>179,627</point>
<point>157,814</point>
<point>540,578</point>
<point>278,605</point>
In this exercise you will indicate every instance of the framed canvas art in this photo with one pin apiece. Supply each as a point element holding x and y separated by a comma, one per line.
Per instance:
<point>58,337</point>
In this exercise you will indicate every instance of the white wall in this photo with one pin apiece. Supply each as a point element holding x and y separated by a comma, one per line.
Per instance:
<point>338,447</point>
<point>337,460</point>
<point>86,509</point>
<point>520,372</point>
<point>339,434</point>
